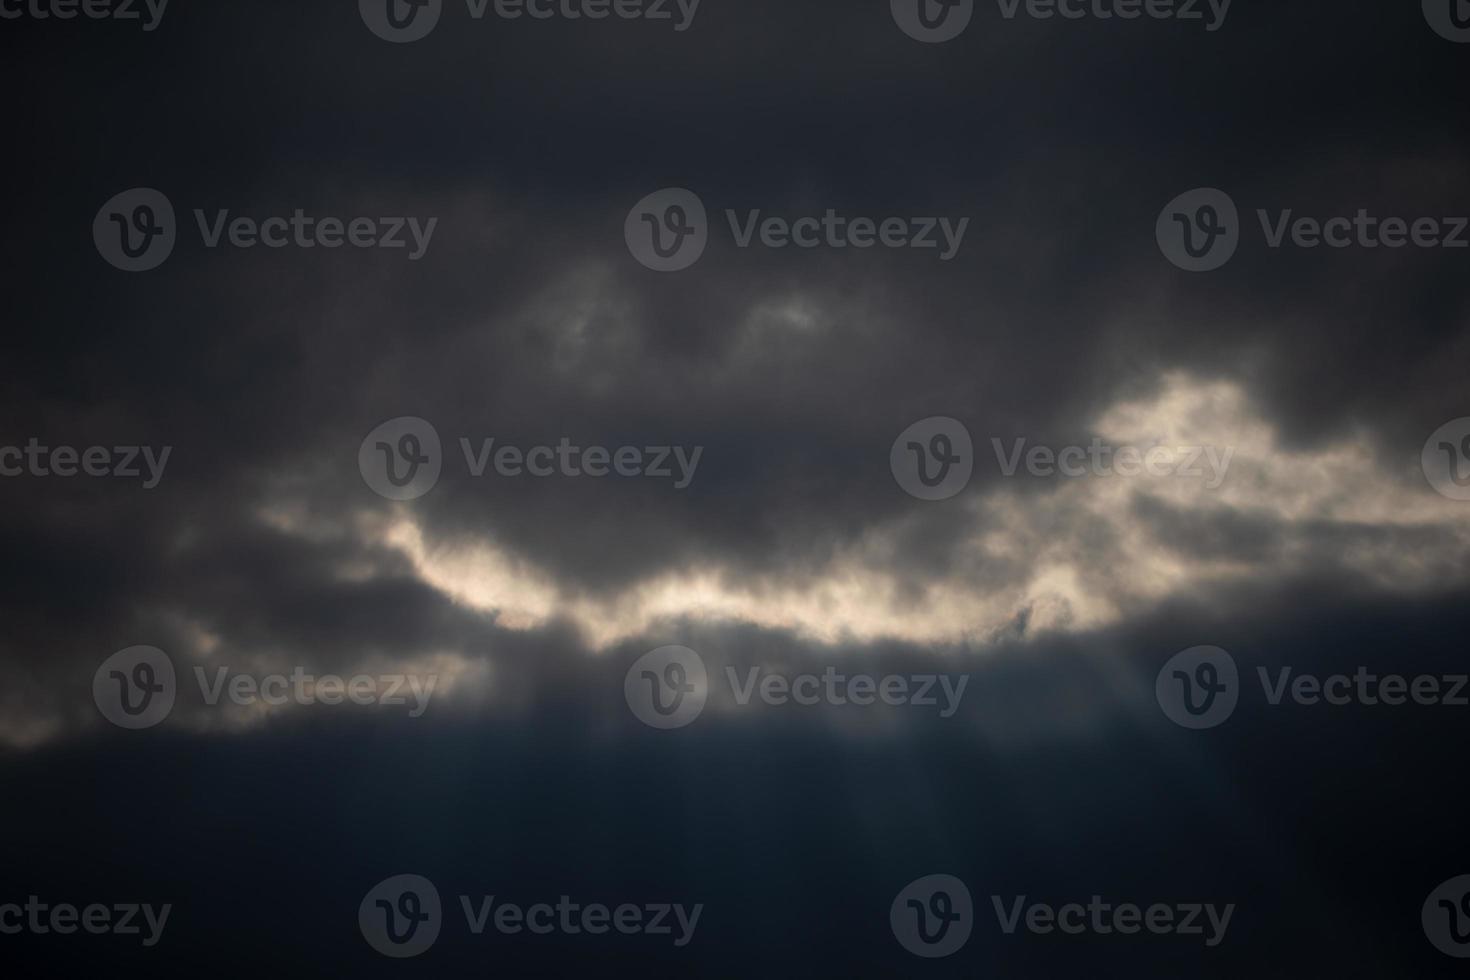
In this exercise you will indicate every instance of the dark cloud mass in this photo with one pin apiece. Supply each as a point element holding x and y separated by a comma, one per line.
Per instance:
<point>1316,542</point>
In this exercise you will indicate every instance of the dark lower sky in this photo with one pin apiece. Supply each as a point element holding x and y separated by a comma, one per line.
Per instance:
<point>967,488</point>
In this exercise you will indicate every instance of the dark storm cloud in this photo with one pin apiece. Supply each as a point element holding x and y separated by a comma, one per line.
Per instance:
<point>528,321</point>
<point>793,549</point>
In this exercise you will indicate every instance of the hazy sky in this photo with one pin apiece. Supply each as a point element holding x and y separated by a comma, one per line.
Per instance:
<point>1309,378</point>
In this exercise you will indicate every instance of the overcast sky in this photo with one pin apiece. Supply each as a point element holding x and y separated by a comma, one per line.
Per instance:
<point>1302,382</point>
